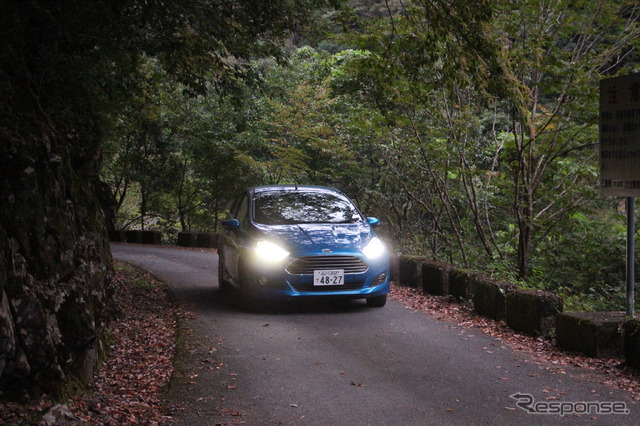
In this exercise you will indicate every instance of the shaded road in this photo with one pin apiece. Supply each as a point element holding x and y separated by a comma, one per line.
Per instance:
<point>346,364</point>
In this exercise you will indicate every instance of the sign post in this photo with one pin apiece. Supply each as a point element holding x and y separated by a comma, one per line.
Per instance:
<point>631,246</point>
<point>620,156</point>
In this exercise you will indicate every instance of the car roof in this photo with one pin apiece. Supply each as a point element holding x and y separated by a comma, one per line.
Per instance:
<point>305,188</point>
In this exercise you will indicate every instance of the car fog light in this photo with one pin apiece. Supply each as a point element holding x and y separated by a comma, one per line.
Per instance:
<point>379,279</point>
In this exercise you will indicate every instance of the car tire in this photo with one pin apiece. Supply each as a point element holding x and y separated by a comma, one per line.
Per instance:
<point>245,299</point>
<point>377,302</point>
<point>224,285</point>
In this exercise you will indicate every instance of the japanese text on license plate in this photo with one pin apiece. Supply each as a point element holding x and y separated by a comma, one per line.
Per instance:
<point>328,277</point>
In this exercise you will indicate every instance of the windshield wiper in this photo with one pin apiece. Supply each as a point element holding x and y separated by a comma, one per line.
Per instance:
<point>352,220</point>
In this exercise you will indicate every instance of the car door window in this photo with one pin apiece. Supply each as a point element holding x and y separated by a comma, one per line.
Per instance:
<point>243,212</point>
<point>232,208</point>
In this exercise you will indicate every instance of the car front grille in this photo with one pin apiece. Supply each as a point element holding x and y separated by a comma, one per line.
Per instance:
<point>306,265</point>
<point>319,289</point>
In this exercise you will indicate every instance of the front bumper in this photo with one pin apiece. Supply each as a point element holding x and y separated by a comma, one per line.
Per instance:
<point>275,281</point>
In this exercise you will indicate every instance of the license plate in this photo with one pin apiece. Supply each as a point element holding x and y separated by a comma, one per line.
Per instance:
<point>328,277</point>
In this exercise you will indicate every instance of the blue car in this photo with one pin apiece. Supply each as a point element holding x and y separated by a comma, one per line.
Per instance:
<point>288,242</point>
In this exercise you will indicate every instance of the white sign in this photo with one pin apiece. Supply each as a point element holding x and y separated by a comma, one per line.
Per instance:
<point>620,136</point>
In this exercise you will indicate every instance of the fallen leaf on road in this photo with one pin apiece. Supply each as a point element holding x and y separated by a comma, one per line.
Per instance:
<point>543,350</point>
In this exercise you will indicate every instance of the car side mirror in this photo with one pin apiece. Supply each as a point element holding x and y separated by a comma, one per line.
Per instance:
<point>373,221</point>
<point>231,224</point>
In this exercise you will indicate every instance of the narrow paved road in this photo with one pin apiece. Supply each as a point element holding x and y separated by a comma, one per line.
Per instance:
<point>346,364</point>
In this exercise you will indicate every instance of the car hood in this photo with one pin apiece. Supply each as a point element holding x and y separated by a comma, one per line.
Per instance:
<point>319,236</point>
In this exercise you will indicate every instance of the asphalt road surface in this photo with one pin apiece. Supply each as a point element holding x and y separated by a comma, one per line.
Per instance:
<point>347,364</point>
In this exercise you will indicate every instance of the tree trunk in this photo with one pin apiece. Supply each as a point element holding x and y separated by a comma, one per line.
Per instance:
<point>524,250</point>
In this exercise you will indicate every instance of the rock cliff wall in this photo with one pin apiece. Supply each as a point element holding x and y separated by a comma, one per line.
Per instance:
<point>55,266</point>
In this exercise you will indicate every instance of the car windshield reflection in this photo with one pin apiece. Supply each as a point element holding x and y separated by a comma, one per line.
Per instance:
<point>296,207</point>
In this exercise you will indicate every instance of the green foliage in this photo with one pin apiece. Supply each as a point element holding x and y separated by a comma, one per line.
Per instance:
<point>469,128</point>
<point>585,259</point>
<point>181,114</point>
<point>507,174</point>
<point>173,150</point>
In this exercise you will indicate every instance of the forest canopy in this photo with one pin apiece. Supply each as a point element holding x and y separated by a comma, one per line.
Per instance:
<point>78,79</point>
<point>471,129</point>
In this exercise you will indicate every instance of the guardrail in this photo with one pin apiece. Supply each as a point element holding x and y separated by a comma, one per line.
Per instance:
<point>184,239</point>
<point>534,312</point>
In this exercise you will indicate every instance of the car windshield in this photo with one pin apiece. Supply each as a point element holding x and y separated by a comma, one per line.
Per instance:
<point>288,207</point>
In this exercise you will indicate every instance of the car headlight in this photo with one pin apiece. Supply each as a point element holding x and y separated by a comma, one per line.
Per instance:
<point>270,252</point>
<point>374,248</point>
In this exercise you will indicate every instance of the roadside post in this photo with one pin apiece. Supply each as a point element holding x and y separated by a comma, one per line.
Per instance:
<point>620,156</point>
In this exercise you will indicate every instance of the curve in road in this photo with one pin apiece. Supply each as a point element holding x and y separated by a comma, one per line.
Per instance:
<point>346,364</point>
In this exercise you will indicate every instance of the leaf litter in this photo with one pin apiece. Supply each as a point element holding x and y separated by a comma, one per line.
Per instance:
<point>609,371</point>
<point>128,387</point>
